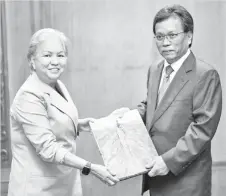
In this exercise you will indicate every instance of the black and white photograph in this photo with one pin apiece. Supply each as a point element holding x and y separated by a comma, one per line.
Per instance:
<point>113,97</point>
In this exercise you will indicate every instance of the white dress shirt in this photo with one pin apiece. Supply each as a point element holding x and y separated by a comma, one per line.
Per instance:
<point>176,66</point>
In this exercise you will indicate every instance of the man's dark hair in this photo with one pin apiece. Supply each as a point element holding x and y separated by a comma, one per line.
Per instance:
<point>178,11</point>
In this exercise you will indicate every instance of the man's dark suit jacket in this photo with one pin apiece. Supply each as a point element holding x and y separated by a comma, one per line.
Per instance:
<point>182,127</point>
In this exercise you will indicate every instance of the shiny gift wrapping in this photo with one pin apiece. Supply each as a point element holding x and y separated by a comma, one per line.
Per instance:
<point>124,143</point>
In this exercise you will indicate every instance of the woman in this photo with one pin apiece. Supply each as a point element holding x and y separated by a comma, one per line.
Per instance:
<point>44,126</point>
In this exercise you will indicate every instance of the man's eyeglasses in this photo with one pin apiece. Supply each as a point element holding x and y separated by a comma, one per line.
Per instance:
<point>170,36</point>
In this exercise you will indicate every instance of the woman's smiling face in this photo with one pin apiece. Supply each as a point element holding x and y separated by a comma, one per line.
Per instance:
<point>50,59</point>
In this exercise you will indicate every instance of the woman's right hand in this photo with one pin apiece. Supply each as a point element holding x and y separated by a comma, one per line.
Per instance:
<point>104,174</point>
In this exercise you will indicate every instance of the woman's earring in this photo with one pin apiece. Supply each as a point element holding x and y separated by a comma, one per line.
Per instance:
<point>32,67</point>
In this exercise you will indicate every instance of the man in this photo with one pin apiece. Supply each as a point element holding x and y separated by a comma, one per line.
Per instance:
<point>182,110</point>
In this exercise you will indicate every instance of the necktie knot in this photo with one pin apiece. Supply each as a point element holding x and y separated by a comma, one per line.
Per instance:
<point>168,70</point>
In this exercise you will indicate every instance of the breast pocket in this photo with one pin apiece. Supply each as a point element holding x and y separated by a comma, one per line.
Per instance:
<point>181,111</point>
<point>182,103</point>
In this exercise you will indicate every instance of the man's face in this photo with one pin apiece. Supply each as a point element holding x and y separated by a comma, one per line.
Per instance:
<point>175,45</point>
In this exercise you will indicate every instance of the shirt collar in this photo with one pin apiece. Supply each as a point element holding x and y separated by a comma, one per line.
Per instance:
<point>176,65</point>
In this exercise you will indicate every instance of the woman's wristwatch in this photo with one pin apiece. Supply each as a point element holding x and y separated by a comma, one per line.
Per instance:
<point>86,169</point>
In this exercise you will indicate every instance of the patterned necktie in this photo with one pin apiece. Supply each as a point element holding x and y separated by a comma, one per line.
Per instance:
<point>165,82</point>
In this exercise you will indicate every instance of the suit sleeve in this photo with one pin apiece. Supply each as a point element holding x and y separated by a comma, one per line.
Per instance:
<point>207,106</point>
<point>142,106</point>
<point>30,111</point>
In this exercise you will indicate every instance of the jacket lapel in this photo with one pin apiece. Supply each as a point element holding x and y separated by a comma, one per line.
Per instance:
<point>61,101</point>
<point>154,80</point>
<point>65,103</point>
<point>178,82</point>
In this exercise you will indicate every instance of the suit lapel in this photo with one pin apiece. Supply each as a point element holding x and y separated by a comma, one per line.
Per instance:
<point>178,82</point>
<point>154,81</point>
<point>65,104</point>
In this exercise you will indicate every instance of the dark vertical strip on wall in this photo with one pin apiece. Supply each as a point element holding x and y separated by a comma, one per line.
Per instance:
<point>32,16</point>
<point>5,128</point>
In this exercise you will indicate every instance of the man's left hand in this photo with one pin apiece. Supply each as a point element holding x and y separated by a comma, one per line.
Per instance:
<point>83,124</point>
<point>158,167</point>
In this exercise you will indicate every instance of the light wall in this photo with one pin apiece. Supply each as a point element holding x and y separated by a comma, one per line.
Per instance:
<point>111,48</point>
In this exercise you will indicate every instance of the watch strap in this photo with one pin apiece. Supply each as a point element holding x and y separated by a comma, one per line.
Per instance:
<point>86,169</point>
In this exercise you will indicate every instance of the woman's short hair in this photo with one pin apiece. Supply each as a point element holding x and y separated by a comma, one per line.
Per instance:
<point>40,36</point>
<point>175,10</point>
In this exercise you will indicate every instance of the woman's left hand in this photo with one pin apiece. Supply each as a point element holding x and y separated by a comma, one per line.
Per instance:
<point>104,174</point>
<point>83,124</point>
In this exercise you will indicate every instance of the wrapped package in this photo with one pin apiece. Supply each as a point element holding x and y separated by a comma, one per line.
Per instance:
<point>124,143</point>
